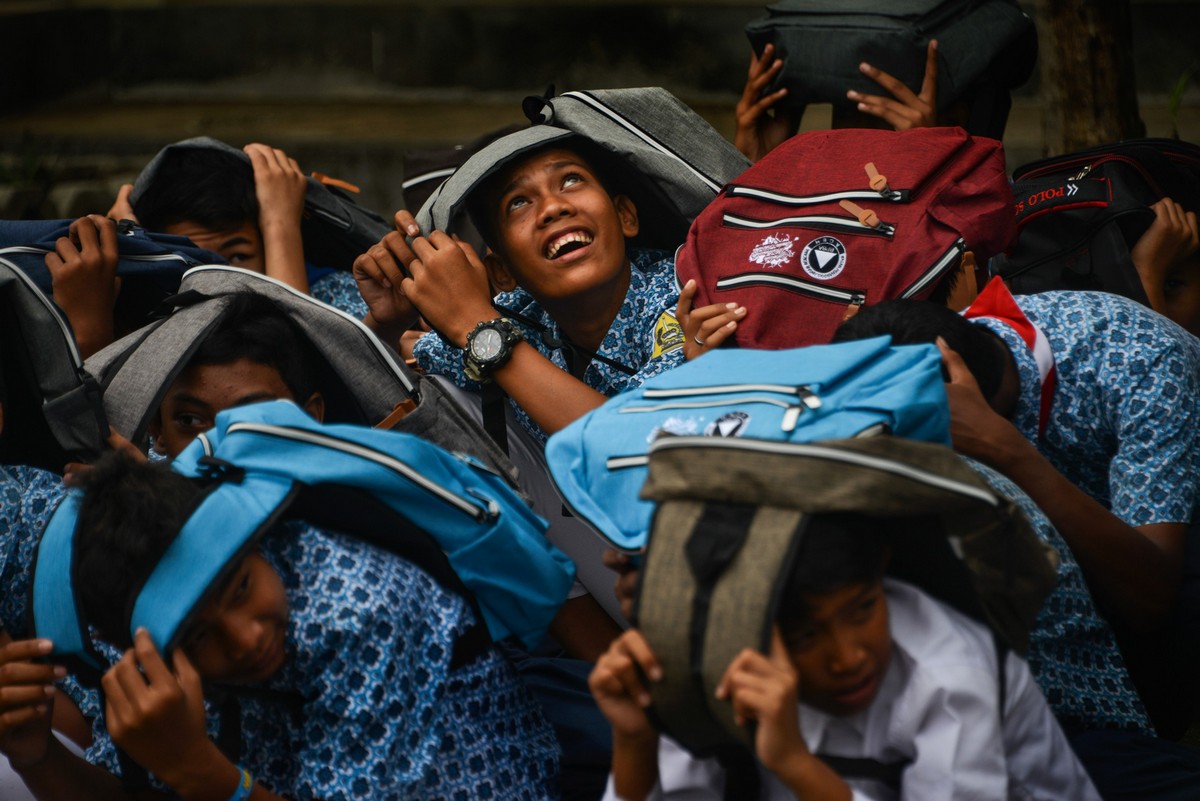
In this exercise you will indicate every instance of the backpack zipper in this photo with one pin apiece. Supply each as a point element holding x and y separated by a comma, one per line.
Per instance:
<point>149,257</point>
<point>68,336</point>
<point>822,222</point>
<point>850,297</point>
<point>830,454</point>
<point>890,195</point>
<point>806,398</point>
<point>944,263</point>
<point>491,512</point>
<point>588,100</point>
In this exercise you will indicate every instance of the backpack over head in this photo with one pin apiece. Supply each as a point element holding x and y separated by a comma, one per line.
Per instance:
<point>362,380</point>
<point>150,266</point>
<point>1079,215</point>
<point>269,462</point>
<point>335,229</point>
<point>851,389</point>
<point>831,221</point>
<point>662,154</point>
<point>730,515</point>
<point>53,413</point>
<point>985,48</point>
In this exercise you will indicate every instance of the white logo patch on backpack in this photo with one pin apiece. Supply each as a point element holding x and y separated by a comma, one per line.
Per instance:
<point>729,425</point>
<point>823,258</point>
<point>774,251</point>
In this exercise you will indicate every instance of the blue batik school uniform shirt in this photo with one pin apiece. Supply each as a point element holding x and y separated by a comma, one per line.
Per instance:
<point>367,704</point>
<point>645,336</point>
<point>28,498</point>
<point>338,289</point>
<point>1073,653</point>
<point>1123,418</point>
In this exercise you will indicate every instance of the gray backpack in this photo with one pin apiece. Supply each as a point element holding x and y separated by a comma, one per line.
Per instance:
<point>730,513</point>
<point>363,380</point>
<point>672,162</point>
<point>52,408</point>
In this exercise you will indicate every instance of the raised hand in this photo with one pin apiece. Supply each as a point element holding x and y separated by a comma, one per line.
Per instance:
<point>903,110</point>
<point>760,125</point>
<point>84,282</point>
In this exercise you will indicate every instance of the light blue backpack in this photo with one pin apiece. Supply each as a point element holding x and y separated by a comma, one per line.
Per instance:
<point>269,462</point>
<point>850,389</point>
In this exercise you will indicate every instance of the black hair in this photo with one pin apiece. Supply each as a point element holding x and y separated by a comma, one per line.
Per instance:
<point>940,294</point>
<point>211,188</point>
<point>254,328</point>
<point>912,322</point>
<point>835,550</point>
<point>130,514</point>
<point>483,200</point>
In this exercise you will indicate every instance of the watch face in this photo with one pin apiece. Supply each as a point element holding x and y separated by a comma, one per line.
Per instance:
<point>486,345</point>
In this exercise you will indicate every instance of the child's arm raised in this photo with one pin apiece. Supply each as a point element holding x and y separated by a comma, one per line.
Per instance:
<point>616,684</point>
<point>448,284</point>
<point>280,186</point>
<point>761,126</point>
<point>764,689</point>
<point>84,282</point>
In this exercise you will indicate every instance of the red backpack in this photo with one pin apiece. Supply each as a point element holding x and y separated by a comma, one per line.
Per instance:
<point>831,221</point>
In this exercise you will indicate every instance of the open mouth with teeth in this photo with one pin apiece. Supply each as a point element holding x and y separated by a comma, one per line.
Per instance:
<point>568,243</point>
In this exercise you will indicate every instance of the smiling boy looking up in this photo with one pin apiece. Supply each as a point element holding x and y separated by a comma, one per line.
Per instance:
<point>585,314</point>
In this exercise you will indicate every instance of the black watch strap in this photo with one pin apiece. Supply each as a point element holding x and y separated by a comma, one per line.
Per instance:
<point>478,366</point>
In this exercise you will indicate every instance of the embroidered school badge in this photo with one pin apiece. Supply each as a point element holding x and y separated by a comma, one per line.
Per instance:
<point>774,251</point>
<point>668,335</point>
<point>823,258</point>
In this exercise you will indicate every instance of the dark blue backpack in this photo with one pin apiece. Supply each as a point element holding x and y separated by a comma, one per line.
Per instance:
<point>150,267</point>
<point>851,389</point>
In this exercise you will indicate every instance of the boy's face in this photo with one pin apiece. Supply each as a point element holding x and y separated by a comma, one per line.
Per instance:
<point>239,637</point>
<point>842,651</point>
<point>560,233</point>
<point>241,247</point>
<point>191,404</point>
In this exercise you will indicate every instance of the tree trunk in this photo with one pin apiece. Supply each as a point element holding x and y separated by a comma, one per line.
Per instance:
<point>1087,73</point>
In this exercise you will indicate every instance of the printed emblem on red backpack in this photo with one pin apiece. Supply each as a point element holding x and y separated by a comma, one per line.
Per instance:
<point>774,251</point>
<point>823,258</point>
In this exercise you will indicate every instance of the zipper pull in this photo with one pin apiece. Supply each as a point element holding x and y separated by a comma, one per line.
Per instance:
<point>1082,173</point>
<point>854,306</point>
<point>809,398</point>
<point>865,216</point>
<point>876,181</point>
<point>790,417</point>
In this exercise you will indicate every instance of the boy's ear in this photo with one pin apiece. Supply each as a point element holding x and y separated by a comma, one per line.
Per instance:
<point>966,286</point>
<point>628,215</point>
<point>498,273</point>
<point>315,406</point>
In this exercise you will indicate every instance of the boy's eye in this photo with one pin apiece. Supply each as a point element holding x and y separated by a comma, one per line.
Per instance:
<point>239,259</point>
<point>242,588</point>
<point>514,203</point>
<point>863,610</point>
<point>187,420</point>
<point>572,178</point>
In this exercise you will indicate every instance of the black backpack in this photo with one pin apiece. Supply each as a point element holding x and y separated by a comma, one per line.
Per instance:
<point>1079,215</point>
<point>985,48</point>
<point>335,229</point>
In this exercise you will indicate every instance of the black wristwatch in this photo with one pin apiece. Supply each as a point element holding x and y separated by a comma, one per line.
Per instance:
<point>489,346</point>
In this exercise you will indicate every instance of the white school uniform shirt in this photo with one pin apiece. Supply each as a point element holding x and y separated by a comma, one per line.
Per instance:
<point>937,708</point>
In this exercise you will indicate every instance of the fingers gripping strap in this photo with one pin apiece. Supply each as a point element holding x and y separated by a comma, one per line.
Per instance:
<point>55,613</point>
<point>218,533</point>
